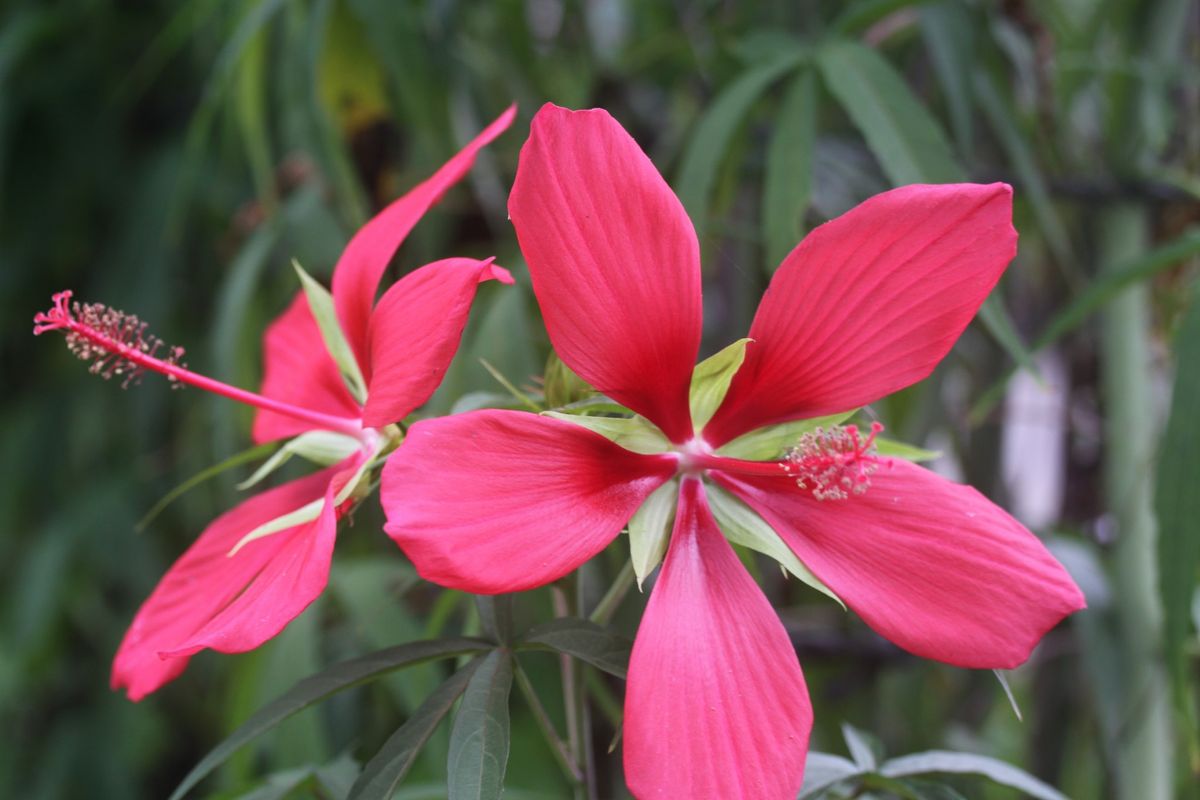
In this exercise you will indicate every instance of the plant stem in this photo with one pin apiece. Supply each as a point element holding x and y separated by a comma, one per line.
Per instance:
<point>558,747</point>
<point>571,690</point>
<point>608,605</point>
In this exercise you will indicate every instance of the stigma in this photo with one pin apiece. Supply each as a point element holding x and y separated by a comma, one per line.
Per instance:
<point>117,344</point>
<point>835,462</point>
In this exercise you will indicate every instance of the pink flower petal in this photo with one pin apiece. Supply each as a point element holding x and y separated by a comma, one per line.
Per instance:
<point>356,276</point>
<point>298,369</point>
<point>231,603</point>
<point>415,331</point>
<point>869,303</point>
<point>614,261</point>
<point>716,705</point>
<point>932,565</point>
<point>502,501</point>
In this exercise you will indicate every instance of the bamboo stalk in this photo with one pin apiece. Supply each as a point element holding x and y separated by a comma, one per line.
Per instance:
<point>1144,743</point>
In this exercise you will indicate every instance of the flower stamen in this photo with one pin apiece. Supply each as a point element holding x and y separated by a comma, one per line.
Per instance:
<point>118,345</point>
<point>834,462</point>
<point>107,338</point>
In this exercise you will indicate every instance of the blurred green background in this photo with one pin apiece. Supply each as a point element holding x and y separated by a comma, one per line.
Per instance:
<point>170,158</point>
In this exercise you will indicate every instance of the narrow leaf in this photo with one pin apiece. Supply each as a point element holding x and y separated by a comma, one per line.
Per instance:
<point>496,616</point>
<point>1032,183</point>
<point>320,302</point>
<point>766,444</point>
<point>741,525</point>
<point>480,738</point>
<point>716,129</point>
<point>901,133</point>
<point>387,768</point>
<point>633,433</point>
<point>948,35</point>
<point>587,641</point>
<point>320,447</point>
<point>710,381</point>
<point>235,460</point>
<point>305,513</point>
<point>860,746</point>
<point>1177,501</point>
<point>890,447</point>
<point>787,185</point>
<point>650,529</point>
<point>969,763</point>
<point>999,324</point>
<point>823,771</point>
<point>1098,293</point>
<point>317,687</point>
<point>1008,692</point>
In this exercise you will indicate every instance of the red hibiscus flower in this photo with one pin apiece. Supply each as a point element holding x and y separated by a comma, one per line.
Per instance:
<point>259,565</point>
<point>501,501</point>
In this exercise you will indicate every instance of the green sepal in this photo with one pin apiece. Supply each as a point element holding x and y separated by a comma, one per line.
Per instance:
<point>770,442</point>
<point>310,511</point>
<point>908,452</point>
<point>743,526</point>
<point>636,434</point>
<point>320,447</point>
<point>710,381</point>
<point>561,385</point>
<point>650,529</point>
<point>320,302</point>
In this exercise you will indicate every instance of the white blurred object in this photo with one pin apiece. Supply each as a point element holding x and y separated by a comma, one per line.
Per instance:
<point>1034,439</point>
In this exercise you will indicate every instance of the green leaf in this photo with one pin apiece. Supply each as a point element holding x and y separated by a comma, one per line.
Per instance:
<point>1176,500</point>
<point>823,771</point>
<point>320,447</point>
<point>861,746</point>
<point>1032,183</point>
<point>387,768</point>
<point>1008,692</point>
<point>1103,289</point>
<point>235,460</point>
<point>320,302</point>
<point>715,131</point>
<point>890,447</point>
<point>587,641</point>
<point>905,138</point>
<point>637,434</point>
<point>317,687</point>
<point>480,737</point>
<point>787,185</point>
<point>999,324</point>
<point>743,526</point>
<point>650,529</point>
<point>949,36</point>
<point>770,442</point>
<point>710,381</point>
<point>861,15</point>
<point>946,761</point>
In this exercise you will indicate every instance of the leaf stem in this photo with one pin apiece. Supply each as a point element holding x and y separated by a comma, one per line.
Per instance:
<point>558,747</point>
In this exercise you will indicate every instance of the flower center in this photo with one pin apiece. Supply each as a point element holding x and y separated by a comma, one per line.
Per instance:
<point>117,345</point>
<point>833,463</point>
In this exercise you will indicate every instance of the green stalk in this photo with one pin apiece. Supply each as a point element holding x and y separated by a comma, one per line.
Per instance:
<point>1144,743</point>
